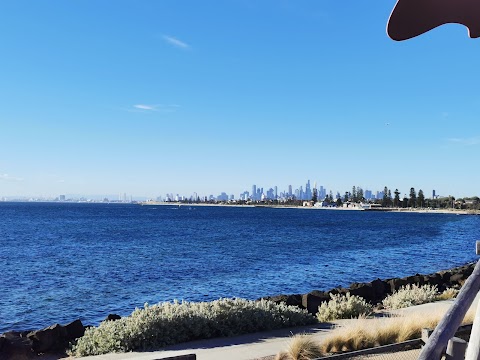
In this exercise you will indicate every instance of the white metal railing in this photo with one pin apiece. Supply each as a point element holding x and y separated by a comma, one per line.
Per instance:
<point>443,335</point>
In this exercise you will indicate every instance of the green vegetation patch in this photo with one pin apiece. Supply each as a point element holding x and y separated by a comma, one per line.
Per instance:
<point>172,323</point>
<point>411,295</point>
<point>343,307</point>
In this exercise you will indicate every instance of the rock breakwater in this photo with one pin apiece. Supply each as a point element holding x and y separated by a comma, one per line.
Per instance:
<point>377,290</point>
<point>53,340</point>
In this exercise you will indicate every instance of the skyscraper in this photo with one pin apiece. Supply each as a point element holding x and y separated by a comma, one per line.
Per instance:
<point>254,192</point>
<point>308,191</point>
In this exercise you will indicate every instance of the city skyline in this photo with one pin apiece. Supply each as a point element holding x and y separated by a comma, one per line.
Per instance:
<point>273,192</point>
<point>152,97</point>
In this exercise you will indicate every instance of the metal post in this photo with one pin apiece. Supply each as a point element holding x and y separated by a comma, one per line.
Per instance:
<point>456,349</point>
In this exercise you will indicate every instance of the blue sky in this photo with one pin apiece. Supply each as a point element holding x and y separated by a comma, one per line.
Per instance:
<point>150,97</point>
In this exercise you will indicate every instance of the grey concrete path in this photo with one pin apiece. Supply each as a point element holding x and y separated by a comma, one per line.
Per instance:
<point>253,346</point>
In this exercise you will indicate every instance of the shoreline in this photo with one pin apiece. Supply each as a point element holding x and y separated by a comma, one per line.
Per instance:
<point>380,209</point>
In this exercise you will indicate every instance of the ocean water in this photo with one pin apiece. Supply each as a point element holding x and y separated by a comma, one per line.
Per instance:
<point>60,261</point>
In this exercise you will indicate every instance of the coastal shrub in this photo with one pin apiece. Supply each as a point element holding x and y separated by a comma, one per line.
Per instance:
<point>171,323</point>
<point>301,347</point>
<point>343,307</point>
<point>410,295</point>
<point>448,294</point>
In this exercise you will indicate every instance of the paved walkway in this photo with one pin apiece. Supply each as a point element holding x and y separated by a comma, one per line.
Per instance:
<point>251,346</point>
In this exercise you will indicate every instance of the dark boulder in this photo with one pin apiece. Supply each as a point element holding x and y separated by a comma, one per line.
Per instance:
<point>396,284</point>
<point>112,317</point>
<point>433,279</point>
<point>15,346</point>
<point>365,291</point>
<point>48,339</point>
<point>294,300</point>
<point>55,337</point>
<point>445,276</point>
<point>312,300</point>
<point>416,279</point>
<point>456,279</point>
<point>291,300</point>
<point>75,330</point>
<point>338,290</point>
<point>380,289</point>
<point>277,299</point>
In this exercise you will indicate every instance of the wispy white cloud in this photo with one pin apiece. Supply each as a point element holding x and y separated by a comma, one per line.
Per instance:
<point>145,107</point>
<point>176,42</point>
<point>465,141</point>
<point>6,177</point>
<point>154,108</point>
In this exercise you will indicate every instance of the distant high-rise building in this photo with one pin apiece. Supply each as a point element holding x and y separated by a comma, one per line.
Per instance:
<point>270,193</point>
<point>308,191</point>
<point>322,193</point>
<point>276,193</point>
<point>290,193</point>
<point>368,194</point>
<point>433,194</point>
<point>62,197</point>
<point>254,192</point>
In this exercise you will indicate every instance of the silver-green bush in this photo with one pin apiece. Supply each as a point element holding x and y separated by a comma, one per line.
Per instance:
<point>447,294</point>
<point>410,295</point>
<point>343,307</point>
<point>171,323</point>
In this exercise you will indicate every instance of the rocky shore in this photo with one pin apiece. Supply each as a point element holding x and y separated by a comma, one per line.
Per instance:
<point>54,340</point>
<point>377,290</point>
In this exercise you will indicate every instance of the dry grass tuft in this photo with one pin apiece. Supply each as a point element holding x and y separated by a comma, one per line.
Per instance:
<point>367,333</point>
<point>448,294</point>
<point>301,347</point>
<point>283,356</point>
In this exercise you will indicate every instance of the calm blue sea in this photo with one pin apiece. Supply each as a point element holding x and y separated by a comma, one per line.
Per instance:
<point>60,262</point>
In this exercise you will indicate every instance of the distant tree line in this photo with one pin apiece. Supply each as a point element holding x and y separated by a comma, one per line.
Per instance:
<point>414,200</point>
<point>357,195</point>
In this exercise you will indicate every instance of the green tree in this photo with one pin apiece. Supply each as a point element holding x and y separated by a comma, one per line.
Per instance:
<point>396,199</point>
<point>413,198</point>
<point>420,199</point>
<point>339,202</point>
<point>354,194</point>
<point>405,202</point>
<point>360,195</point>
<point>385,197</point>
<point>345,198</point>
<point>315,196</point>
<point>389,199</point>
